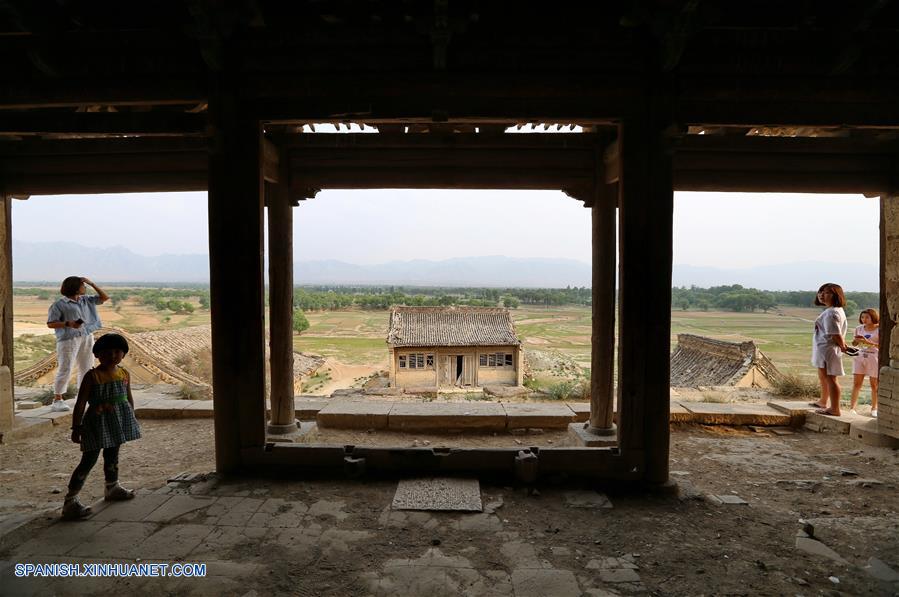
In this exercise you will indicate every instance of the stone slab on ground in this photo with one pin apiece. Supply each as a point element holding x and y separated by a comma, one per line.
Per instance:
<point>545,415</point>
<point>447,416</point>
<point>581,410</point>
<point>307,408</point>
<point>161,408</point>
<point>438,493</point>
<point>198,409</point>
<point>506,391</point>
<point>679,414</point>
<point>26,427</point>
<point>797,409</point>
<point>27,405</point>
<point>731,413</point>
<point>354,414</point>
<point>867,432</point>
<point>829,423</point>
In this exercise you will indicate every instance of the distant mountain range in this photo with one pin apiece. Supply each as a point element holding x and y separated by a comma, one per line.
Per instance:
<point>52,262</point>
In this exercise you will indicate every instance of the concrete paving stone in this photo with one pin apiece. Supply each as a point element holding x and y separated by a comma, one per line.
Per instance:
<point>57,418</point>
<point>617,575</point>
<point>162,409</point>
<point>828,423</point>
<point>438,493</point>
<point>352,414</point>
<point>31,405</point>
<point>446,416</point>
<point>307,408</point>
<point>679,414</point>
<point>586,499</point>
<point>174,541</point>
<point>610,564</point>
<point>337,541</point>
<point>540,415</point>
<point>123,540</point>
<point>131,511</point>
<point>581,411</point>
<point>279,513</point>
<point>880,570</point>
<point>178,505</point>
<point>333,508</point>
<point>303,536</point>
<point>529,582</point>
<point>521,555</point>
<point>730,500</point>
<point>240,513</point>
<point>560,551</point>
<point>413,580</point>
<point>198,409</point>
<point>815,547</point>
<point>221,540</point>
<point>24,428</point>
<point>480,522</point>
<point>478,583</point>
<point>713,413</point>
<point>59,538</point>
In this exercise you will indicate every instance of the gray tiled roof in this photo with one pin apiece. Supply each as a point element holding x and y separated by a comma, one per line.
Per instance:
<point>450,326</point>
<point>700,361</point>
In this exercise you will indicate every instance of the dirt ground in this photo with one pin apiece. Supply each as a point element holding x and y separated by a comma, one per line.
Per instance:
<point>684,545</point>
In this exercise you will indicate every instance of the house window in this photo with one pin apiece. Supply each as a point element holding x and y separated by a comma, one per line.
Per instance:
<point>418,360</point>
<point>495,360</point>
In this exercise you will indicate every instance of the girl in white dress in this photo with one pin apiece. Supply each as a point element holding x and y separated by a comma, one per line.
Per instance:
<point>867,336</point>
<point>828,344</point>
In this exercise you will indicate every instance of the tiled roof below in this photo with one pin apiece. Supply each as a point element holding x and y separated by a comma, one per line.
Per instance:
<point>450,326</point>
<point>699,361</point>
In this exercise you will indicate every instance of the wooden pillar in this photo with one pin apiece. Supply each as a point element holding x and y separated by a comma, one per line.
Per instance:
<point>7,373</point>
<point>645,212</point>
<point>6,338</point>
<point>602,345</point>
<point>235,274</point>
<point>887,264</point>
<point>280,279</point>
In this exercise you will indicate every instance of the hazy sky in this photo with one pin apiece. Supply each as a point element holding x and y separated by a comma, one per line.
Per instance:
<point>710,229</point>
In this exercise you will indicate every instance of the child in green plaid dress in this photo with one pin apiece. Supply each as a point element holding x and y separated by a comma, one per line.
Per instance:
<point>108,423</point>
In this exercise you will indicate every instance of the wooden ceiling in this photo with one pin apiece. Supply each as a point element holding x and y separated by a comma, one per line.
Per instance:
<point>741,86</point>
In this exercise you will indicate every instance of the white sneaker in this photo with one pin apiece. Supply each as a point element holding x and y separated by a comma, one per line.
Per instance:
<point>874,413</point>
<point>59,406</point>
<point>852,412</point>
<point>73,509</point>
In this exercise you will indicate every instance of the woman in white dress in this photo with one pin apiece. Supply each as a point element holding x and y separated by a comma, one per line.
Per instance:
<point>867,336</point>
<point>828,344</point>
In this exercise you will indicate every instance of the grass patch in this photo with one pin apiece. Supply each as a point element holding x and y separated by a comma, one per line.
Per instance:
<point>316,382</point>
<point>794,385</point>
<point>578,390</point>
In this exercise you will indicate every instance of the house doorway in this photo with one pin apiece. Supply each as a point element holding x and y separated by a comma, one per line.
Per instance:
<point>458,370</point>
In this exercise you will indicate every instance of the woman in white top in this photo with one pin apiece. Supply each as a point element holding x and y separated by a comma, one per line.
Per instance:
<point>828,344</point>
<point>867,336</point>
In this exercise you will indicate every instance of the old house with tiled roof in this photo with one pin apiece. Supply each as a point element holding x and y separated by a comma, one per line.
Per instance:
<point>448,347</point>
<point>700,361</point>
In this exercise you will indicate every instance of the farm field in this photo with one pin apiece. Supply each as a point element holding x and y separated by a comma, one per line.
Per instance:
<point>356,338</point>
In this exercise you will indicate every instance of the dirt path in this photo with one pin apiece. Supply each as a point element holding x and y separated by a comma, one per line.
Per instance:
<point>343,375</point>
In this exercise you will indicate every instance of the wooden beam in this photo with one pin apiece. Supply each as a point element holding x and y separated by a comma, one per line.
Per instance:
<point>271,157</point>
<point>114,123</point>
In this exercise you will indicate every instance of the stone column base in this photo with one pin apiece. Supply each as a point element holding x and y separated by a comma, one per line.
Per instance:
<point>591,437</point>
<point>288,433</point>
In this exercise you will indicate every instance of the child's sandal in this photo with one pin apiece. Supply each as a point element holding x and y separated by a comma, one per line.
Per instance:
<point>73,510</point>
<point>117,493</point>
